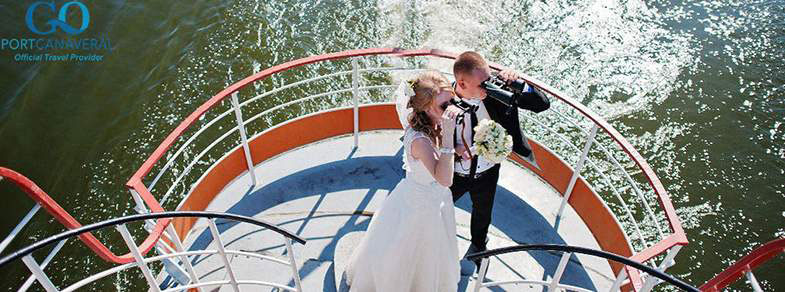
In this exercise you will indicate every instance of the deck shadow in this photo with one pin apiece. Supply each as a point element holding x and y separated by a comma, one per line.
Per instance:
<point>512,216</point>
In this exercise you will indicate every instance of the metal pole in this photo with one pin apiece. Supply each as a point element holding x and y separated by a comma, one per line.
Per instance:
<point>241,126</point>
<point>179,248</point>
<point>222,252</point>
<point>356,95</point>
<point>753,281</point>
<point>565,258</point>
<point>619,279</point>
<point>129,241</point>
<point>652,281</point>
<point>45,263</point>
<point>19,227</point>
<point>140,206</point>
<point>481,274</point>
<point>578,168</point>
<point>293,264</point>
<point>39,274</point>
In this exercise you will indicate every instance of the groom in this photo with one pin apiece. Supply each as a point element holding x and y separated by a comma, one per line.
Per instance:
<point>474,174</point>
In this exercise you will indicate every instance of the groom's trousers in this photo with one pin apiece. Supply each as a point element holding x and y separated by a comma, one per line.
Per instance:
<point>482,190</point>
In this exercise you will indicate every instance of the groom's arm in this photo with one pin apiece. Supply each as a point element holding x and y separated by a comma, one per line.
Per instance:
<point>532,99</point>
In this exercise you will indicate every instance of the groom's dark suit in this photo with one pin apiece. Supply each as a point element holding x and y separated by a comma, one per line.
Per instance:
<point>482,187</point>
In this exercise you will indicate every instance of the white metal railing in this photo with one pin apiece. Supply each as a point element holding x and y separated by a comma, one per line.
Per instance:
<point>142,263</point>
<point>201,130</point>
<point>552,285</point>
<point>355,91</point>
<point>634,185</point>
<point>555,282</point>
<point>18,229</point>
<point>631,226</point>
<point>21,225</point>
<point>590,138</point>
<point>753,281</point>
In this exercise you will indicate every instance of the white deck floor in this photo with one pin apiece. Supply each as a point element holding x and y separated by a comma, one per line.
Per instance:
<point>315,191</point>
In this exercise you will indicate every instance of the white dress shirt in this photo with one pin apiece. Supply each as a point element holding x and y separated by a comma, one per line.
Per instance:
<point>464,166</point>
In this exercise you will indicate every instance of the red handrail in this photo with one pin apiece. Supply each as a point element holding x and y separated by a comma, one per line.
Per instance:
<point>749,262</point>
<point>677,238</point>
<point>62,216</point>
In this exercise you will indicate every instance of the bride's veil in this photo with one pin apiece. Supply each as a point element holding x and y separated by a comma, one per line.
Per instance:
<point>402,96</point>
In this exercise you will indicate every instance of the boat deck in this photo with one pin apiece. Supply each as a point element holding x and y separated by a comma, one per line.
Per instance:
<point>326,190</point>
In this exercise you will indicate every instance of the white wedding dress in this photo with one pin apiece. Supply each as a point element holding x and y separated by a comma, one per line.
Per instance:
<point>410,244</point>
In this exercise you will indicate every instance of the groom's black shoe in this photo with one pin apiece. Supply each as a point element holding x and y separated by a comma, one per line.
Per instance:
<point>475,249</point>
<point>468,267</point>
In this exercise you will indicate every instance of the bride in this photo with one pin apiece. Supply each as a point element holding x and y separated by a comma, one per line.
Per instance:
<point>410,244</point>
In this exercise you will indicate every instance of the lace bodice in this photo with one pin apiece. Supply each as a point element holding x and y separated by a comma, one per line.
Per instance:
<point>414,168</point>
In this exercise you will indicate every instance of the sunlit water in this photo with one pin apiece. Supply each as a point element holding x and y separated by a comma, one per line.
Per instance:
<point>696,86</point>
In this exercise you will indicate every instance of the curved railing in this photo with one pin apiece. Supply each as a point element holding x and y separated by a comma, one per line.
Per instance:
<point>569,127</point>
<point>567,252</point>
<point>178,253</point>
<point>34,192</point>
<point>745,266</point>
<point>43,200</point>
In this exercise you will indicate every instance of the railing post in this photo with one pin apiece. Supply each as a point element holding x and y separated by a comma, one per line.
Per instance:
<point>129,241</point>
<point>39,273</point>
<point>140,206</point>
<point>356,95</point>
<point>45,263</point>
<point>241,126</point>
<point>222,253</point>
<point>179,248</point>
<point>652,281</point>
<point>753,281</point>
<point>481,274</point>
<point>565,258</point>
<point>619,279</point>
<point>293,264</point>
<point>578,168</point>
<point>19,227</point>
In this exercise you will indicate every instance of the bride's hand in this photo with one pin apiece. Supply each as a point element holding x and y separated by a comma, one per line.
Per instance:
<point>448,130</point>
<point>461,151</point>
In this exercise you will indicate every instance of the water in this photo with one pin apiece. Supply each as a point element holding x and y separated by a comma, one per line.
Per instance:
<point>696,86</point>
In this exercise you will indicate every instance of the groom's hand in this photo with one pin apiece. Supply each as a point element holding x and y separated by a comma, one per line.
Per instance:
<point>460,150</point>
<point>510,75</point>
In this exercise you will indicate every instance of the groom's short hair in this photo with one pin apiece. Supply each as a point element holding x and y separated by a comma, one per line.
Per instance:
<point>467,62</point>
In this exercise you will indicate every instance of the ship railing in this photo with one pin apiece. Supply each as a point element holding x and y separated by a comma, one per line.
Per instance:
<point>43,200</point>
<point>143,263</point>
<point>5,172</point>
<point>744,267</point>
<point>589,145</point>
<point>555,284</point>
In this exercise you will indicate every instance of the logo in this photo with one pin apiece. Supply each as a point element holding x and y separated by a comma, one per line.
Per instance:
<point>62,18</point>
<point>71,17</point>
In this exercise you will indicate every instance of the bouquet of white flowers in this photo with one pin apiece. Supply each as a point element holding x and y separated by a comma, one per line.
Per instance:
<point>491,141</point>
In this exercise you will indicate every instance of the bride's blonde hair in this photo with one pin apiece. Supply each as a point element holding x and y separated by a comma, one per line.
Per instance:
<point>426,87</point>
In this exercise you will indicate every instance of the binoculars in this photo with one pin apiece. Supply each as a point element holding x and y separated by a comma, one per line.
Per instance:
<point>497,89</point>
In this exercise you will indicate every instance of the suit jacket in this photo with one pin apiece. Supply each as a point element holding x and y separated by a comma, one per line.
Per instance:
<point>534,100</point>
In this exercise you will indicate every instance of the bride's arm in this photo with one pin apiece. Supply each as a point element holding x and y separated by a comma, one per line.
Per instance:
<point>439,164</point>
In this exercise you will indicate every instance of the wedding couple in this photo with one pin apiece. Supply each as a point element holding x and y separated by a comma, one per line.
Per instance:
<point>410,244</point>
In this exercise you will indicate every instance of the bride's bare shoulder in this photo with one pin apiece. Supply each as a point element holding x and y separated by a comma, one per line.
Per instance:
<point>420,145</point>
